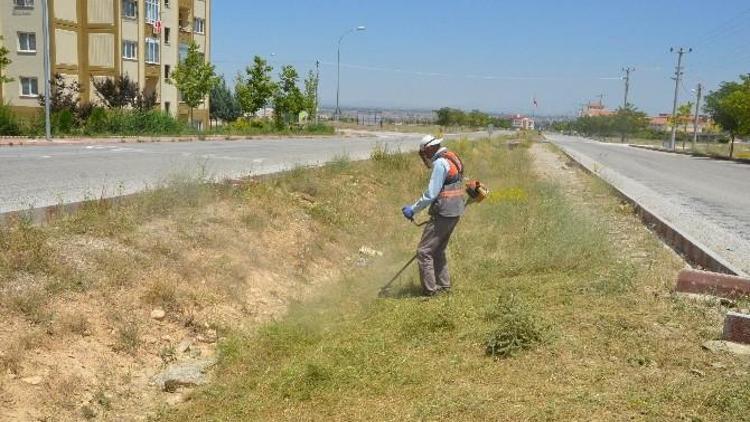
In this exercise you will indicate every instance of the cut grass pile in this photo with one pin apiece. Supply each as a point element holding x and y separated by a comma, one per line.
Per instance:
<point>550,319</point>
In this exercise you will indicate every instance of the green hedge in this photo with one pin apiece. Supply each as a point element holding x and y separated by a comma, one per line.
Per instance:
<point>98,121</point>
<point>8,122</point>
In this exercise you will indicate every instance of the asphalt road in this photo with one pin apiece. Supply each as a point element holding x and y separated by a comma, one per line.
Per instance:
<point>707,199</point>
<point>38,176</point>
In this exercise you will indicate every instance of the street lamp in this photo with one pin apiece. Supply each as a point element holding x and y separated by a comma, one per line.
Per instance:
<point>337,113</point>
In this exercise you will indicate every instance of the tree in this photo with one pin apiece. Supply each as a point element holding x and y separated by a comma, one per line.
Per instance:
<point>224,105</point>
<point>118,92</point>
<point>684,113</point>
<point>729,107</point>
<point>121,92</point>
<point>627,120</point>
<point>311,94</point>
<point>682,118</point>
<point>256,88</point>
<point>4,63</point>
<point>194,77</point>
<point>64,95</point>
<point>288,100</point>
<point>144,101</point>
<point>447,116</point>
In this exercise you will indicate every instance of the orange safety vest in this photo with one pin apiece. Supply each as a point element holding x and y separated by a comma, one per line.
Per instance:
<point>450,202</point>
<point>455,168</point>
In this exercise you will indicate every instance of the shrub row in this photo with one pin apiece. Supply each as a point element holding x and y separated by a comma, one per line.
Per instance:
<point>97,121</point>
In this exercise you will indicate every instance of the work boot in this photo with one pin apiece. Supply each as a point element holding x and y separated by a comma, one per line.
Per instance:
<point>443,291</point>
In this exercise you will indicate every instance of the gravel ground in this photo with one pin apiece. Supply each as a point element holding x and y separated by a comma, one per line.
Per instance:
<point>707,200</point>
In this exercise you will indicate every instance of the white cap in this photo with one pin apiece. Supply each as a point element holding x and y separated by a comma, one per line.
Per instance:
<point>429,141</point>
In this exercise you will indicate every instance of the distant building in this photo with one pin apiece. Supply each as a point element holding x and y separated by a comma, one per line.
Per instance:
<point>521,122</point>
<point>661,122</point>
<point>94,39</point>
<point>593,109</point>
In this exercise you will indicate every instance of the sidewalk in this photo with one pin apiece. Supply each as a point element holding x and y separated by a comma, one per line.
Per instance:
<point>690,153</point>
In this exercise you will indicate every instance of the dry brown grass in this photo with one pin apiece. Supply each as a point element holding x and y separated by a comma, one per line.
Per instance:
<point>76,322</point>
<point>212,256</point>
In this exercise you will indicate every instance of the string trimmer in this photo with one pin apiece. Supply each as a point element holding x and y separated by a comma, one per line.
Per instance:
<point>477,193</point>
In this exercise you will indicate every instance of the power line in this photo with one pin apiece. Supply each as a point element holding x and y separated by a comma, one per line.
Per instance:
<point>736,21</point>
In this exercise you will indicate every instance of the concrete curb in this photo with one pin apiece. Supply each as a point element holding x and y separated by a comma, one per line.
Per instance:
<point>693,251</point>
<point>690,154</point>
<point>737,328</point>
<point>23,141</point>
<point>714,284</point>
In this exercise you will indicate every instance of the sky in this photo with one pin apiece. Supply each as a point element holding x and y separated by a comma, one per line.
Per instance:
<point>495,56</point>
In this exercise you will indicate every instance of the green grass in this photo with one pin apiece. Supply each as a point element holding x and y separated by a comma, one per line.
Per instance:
<point>549,320</point>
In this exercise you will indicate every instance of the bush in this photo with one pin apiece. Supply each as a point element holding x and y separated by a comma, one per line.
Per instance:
<point>8,122</point>
<point>96,122</point>
<point>320,128</point>
<point>517,328</point>
<point>132,122</point>
<point>63,122</point>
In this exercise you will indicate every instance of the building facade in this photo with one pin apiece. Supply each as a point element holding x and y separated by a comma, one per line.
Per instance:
<point>521,122</point>
<point>663,123</point>
<point>92,39</point>
<point>594,109</point>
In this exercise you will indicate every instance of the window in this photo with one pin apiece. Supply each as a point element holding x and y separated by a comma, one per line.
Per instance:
<point>167,35</point>
<point>29,87</point>
<point>167,107</point>
<point>166,3</point>
<point>129,9</point>
<point>182,55</point>
<point>199,26</point>
<point>130,50</point>
<point>167,71</point>
<point>23,4</point>
<point>152,51</point>
<point>27,42</point>
<point>152,11</point>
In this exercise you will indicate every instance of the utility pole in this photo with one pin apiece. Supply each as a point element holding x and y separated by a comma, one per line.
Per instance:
<point>698,93</point>
<point>627,71</point>
<point>317,91</point>
<point>47,71</point>
<point>677,78</point>
<point>601,99</point>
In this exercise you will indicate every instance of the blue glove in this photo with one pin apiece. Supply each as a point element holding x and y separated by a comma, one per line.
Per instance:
<point>408,212</point>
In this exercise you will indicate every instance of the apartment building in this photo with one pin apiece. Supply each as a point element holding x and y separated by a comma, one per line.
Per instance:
<point>91,39</point>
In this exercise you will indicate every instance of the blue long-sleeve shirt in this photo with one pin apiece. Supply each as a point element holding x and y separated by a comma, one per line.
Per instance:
<point>440,168</point>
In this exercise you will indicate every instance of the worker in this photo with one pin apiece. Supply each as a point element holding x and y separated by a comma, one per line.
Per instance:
<point>444,197</point>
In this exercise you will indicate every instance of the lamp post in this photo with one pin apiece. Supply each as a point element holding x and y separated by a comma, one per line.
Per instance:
<point>337,113</point>
<point>47,72</point>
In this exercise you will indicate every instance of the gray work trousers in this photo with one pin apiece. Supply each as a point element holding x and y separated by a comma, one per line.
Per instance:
<point>433,265</point>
